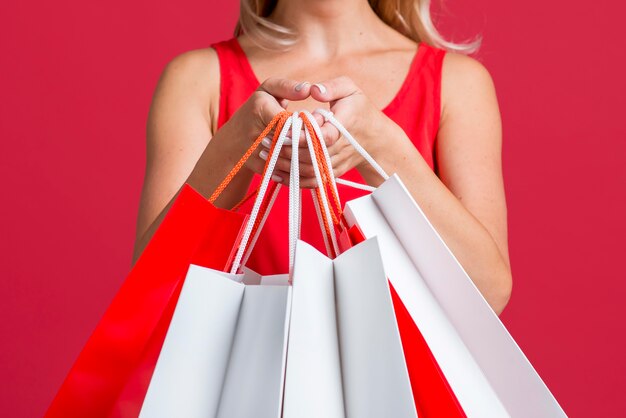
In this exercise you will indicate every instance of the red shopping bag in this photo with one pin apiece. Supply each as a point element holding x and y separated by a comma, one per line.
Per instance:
<point>111,374</point>
<point>193,231</point>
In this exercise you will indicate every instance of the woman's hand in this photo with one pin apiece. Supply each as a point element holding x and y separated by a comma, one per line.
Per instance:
<point>270,98</point>
<point>361,118</point>
<point>367,124</point>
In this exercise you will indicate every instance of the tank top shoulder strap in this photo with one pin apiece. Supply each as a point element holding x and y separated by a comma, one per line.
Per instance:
<point>237,81</point>
<point>418,110</point>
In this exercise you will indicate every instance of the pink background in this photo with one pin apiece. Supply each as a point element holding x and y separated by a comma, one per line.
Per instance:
<point>76,80</point>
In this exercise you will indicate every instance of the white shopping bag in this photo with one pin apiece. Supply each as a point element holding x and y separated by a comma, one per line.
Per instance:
<point>486,369</point>
<point>328,348</point>
<point>319,342</point>
<point>344,356</point>
<point>225,343</point>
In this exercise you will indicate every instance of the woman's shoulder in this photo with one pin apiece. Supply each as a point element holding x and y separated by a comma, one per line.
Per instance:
<point>197,66</point>
<point>462,65</point>
<point>455,64</point>
<point>463,77</point>
<point>195,76</point>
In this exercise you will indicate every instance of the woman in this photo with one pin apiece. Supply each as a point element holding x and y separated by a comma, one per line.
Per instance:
<point>418,104</point>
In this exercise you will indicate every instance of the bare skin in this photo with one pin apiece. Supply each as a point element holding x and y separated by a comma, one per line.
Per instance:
<point>361,63</point>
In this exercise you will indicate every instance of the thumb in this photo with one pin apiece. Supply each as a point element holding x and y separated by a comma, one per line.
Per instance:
<point>284,88</point>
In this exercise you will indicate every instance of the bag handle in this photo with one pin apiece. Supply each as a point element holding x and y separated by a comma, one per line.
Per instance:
<point>326,213</point>
<point>252,229</point>
<point>277,121</point>
<point>277,124</point>
<point>330,117</point>
<point>328,216</point>
<point>320,159</point>
<point>295,199</point>
<point>330,179</point>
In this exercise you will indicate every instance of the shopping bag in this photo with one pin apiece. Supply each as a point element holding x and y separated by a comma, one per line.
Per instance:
<point>326,346</point>
<point>432,393</point>
<point>344,324</point>
<point>111,374</point>
<point>482,365</point>
<point>319,341</point>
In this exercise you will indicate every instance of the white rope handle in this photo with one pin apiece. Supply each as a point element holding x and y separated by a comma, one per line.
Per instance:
<point>252,244</point>
<point>294,191</point>
<point>295,195</point>
<point>329,117</point>
<point>260,196</point>
<point>355,185</point>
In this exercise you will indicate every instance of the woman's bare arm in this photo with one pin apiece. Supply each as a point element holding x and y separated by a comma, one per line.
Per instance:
<point>466,202</point>
<point>181,145</point>
<point>469,149</point>
<point>178,131</point>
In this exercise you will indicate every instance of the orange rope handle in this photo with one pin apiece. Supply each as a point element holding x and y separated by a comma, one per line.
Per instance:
<point>321,160</point>
<point>336,211</point>
<point>270,192</point>
<point>325,174</point>
<point>277,121</point>
<point>272,187</point>
<point>264,207</point>
<point>250,195</point>
<point>327,225</point>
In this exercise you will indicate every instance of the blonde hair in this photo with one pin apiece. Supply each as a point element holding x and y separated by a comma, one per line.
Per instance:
<point>409,17</point>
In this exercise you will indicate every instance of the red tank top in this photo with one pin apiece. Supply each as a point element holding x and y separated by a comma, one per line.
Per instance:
<point>415,108</point>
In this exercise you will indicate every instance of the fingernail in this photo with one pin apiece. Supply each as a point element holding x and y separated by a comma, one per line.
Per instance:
<point>263,154</point>
<point>321,87</point>
<point>301,85</point>
<point>276,178</point>
<point>267,142</point>
<point>287,141</point>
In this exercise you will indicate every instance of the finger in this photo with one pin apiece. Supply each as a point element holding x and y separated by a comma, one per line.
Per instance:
<point>304,155</point>
<point>337,148</point>
<point>330,133</point>
<point>278,176</point>
<point>287,151</point>
<point>263,108</point>
<point>282,164</point>
<point>284,88</point>
<point>340,170</point>
<point>281,177</point>
<point>257,165</point>
<point>306,170</point>
<point>273,95</point>
<point>308,182</point>
<point>319,118</point>
<point>267,141</point>
<point>334,89</point>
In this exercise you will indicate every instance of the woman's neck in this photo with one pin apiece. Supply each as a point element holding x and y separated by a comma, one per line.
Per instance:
<point>329,28</point>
